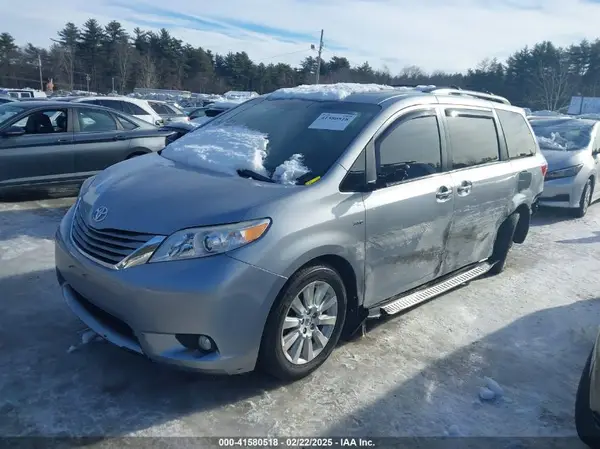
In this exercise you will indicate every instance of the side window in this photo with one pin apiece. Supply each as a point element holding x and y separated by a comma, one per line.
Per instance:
<point>126,124</point>
<point>160,108</point>
<point>473,137</point>
<point>409,150</point>
<point>113,104</point>
<point>356,177</point>
<point>47,121</point>
<point>93,120</point>
<point>519,140</point>
<point>134,109</point>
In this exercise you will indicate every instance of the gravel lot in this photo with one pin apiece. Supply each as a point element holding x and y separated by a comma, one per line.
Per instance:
<point>418,374</point>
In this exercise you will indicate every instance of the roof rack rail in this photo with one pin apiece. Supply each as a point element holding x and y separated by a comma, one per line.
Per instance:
<point>470,93</point>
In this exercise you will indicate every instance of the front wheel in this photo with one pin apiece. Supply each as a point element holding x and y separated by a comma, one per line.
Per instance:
<point>305,325</point>
<point>585,200</point>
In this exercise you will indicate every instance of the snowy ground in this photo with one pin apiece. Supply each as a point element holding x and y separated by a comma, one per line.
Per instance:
<point>418,374</point>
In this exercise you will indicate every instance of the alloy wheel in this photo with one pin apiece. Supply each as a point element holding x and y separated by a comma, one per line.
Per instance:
<point>309,322</point>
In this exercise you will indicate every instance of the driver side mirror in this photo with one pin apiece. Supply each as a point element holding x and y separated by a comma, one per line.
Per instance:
<point>13,131</point>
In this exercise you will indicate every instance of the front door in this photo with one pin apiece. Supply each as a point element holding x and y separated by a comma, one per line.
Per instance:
<point>99,140</point>
<point>43,153</point>
<point>483,182</point>
<point>409,214</point>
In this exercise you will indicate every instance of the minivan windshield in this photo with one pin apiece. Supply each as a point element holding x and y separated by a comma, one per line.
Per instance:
<point>563,134</point>
<point>9,110</point>
<point>283,133</point>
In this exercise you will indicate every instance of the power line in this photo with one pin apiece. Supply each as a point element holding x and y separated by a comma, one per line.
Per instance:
<point>290,53</point>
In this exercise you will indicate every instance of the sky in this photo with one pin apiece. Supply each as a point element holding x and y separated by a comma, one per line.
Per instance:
<point>450,35</point>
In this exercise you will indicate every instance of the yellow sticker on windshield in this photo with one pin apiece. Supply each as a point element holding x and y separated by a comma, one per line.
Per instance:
<point>312,181</point>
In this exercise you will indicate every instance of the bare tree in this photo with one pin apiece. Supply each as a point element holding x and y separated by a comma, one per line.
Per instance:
<point>552,85</point>
<point>148,75</point>
<point>123,57</point>
<point>66,63</point>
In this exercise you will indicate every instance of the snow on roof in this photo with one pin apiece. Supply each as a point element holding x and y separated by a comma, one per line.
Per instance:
<point>337,91</point>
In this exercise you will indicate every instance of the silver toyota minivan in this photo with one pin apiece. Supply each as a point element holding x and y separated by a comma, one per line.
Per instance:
<point>283,224</point>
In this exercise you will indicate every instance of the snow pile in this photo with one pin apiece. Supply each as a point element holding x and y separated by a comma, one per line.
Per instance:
<point>555,142</point>
<point>87,337</point>
<point>337,91</point>
<point>228,149</point>
<point>231,148</point>
<point>290,170</point>
<point>491,391</point>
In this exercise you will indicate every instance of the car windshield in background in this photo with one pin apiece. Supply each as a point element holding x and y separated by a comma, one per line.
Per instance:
<point>563,134</point>
<point>213,112</point>
<point>292,132</point>
<point>8,110</point>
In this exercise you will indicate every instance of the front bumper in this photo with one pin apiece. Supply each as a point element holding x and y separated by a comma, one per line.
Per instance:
<point>144,307</point>
<point>563,192</point>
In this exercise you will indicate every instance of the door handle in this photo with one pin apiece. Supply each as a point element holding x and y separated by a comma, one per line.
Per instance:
<point>464,188</point>
<point>443,194</point>
<point>119,137</point>
<point>62,140</point>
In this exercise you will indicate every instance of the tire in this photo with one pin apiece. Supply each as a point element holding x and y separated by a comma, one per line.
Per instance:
<point>503,244</point>
<point>273,358</point>
<point>585,200</point>
<point>586,426</point>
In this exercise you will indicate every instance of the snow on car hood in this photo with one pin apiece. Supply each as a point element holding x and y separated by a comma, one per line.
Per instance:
<point>556,142</point>
<point>227,149</point>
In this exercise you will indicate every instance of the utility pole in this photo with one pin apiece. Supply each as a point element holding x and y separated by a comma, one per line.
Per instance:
<point>319,59</point>
<point>40,66</point>
<point>88,79</point>
<point>113,84</point>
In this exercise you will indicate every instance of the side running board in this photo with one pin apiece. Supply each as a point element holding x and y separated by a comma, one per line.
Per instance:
<point>412,299</point>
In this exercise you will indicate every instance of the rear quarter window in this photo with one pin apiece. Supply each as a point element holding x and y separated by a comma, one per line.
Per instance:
<point>519,139</point>
<point>133,109</point>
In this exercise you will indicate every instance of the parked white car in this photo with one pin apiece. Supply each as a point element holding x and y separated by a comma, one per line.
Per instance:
<point>132,106</point>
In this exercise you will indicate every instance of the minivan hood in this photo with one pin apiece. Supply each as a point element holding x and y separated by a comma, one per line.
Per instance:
<point>562,159</point>
<point>151,194</point>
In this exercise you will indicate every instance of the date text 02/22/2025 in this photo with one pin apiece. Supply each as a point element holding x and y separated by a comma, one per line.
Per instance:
<point>295,442</point>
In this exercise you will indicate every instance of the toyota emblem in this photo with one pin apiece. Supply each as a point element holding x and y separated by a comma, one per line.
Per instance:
<point>100,214</point>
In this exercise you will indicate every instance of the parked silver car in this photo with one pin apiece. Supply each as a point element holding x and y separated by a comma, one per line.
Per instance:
<point>286,222</point>
<point>572,149</point>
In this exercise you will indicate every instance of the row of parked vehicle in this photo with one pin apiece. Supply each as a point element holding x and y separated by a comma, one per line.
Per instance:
<point>68,139</point>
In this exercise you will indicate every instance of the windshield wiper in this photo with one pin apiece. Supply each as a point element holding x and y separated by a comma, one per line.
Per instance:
<point>246,173</point>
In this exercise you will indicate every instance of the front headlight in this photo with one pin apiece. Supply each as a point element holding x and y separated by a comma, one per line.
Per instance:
<point>564,172</point>
<point>208,241</point>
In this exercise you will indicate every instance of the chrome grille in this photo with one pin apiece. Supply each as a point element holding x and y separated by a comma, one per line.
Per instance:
<point>108,246</point>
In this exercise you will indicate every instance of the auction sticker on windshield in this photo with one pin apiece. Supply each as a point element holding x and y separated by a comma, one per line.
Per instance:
<point>332,121</point>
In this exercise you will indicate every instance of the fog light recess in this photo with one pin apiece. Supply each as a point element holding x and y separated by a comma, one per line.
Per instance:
<point>197,342</point>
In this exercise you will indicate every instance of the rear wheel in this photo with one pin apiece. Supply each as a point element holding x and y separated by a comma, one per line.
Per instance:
<point>503,244</point>
<point>586,426</point>
<point>585,200</point>
<point>305,325</point>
